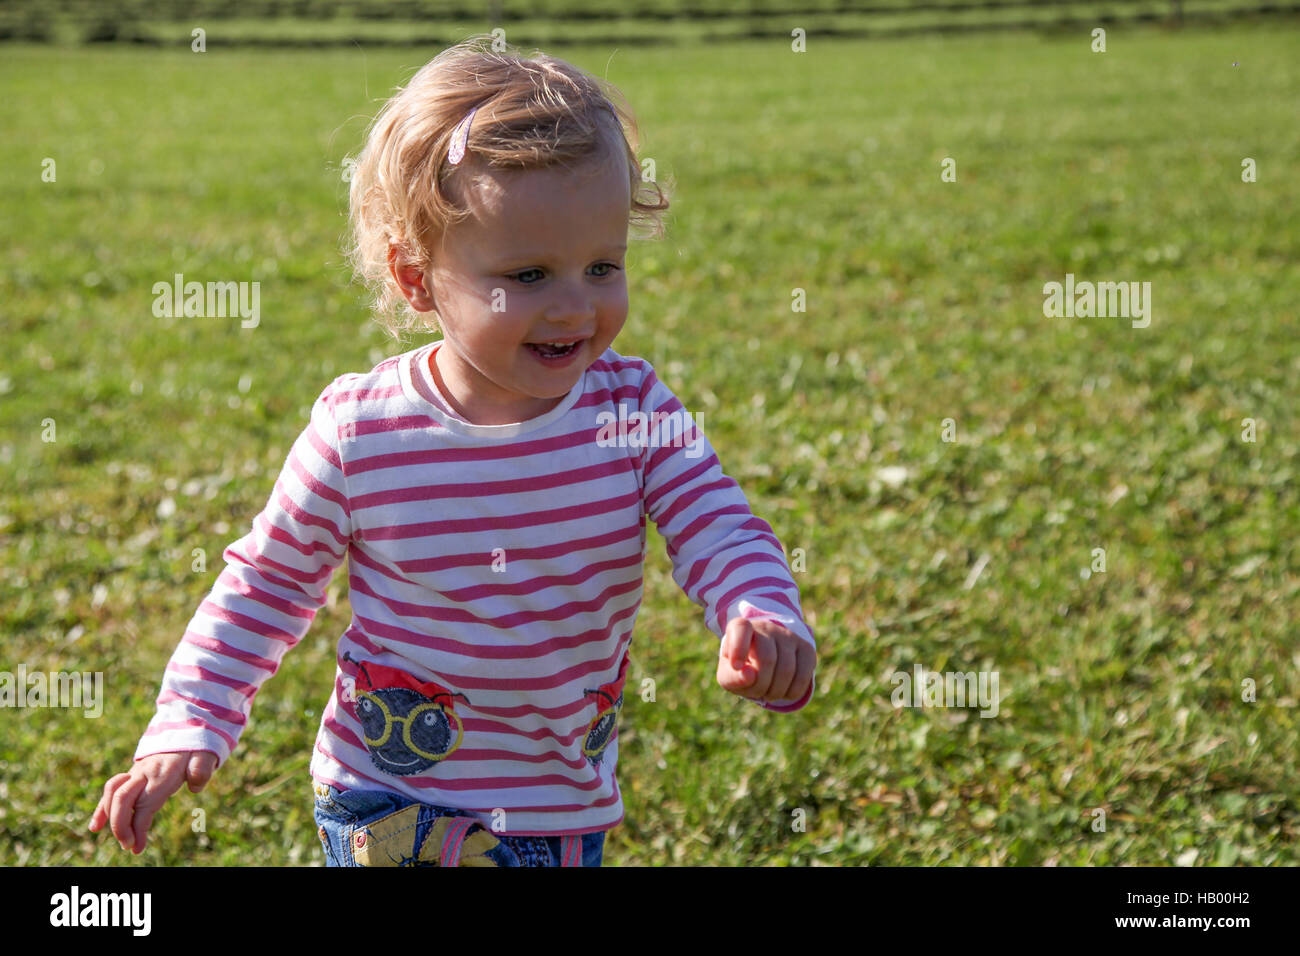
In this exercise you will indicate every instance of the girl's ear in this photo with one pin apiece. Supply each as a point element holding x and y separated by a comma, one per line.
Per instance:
<point>411,280</point>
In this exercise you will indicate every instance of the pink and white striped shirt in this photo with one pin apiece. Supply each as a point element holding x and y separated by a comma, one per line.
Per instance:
<point>494,575</point>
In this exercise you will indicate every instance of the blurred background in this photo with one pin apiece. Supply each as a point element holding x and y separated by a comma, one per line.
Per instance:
<point>421,22</point>
<point>869,200</point>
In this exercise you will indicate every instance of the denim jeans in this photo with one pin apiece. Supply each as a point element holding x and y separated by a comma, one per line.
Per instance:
<point>377,828</point>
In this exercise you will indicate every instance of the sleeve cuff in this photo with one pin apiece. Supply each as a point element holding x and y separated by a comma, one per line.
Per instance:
<point>175,743</point>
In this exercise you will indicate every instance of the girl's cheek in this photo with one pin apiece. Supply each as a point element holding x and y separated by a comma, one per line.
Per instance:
<point>502,304</point>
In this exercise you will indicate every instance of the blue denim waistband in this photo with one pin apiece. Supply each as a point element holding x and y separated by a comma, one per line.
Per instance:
<point>381,828</point>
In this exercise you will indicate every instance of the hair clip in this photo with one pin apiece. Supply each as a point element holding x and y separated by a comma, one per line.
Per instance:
<point>459,137</point>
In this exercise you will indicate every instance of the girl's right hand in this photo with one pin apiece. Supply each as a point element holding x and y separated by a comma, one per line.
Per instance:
<point>131,799</point>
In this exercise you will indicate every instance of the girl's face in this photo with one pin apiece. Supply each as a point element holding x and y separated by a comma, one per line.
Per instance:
<point>540,260</point>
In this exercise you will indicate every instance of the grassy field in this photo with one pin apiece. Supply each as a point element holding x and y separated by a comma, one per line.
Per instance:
<point>577,22</point>
<point>1121,691</point>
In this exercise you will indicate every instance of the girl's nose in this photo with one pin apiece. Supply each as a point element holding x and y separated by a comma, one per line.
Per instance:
<point>571,303</point>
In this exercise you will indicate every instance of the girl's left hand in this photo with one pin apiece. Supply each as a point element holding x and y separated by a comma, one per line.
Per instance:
<point>762,660</point>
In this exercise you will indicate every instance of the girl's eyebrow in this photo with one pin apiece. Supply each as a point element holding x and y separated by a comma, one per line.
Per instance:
<point>525,256</point>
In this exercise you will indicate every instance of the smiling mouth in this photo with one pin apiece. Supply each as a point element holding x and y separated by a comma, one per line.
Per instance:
<point>402,763</point>
<point>554,351</point>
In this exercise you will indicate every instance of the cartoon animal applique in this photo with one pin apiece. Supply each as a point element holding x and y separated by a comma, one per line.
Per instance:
<point>407,724</point>
<point>604,725</point>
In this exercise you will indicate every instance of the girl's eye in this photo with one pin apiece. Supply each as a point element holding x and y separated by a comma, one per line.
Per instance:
<point>609,268</point>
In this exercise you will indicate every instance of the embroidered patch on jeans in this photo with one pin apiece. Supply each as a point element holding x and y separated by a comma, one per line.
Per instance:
<point>394,840</point>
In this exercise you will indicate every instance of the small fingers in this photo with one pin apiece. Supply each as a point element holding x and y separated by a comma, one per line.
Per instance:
<point>144,811</point>
<point>100,816</point>
<point>122,810</point>
<point>734,674</point>
<point>778,666</point>
<point>786,667</point>
<point>732,679</point>
<point>200,769</point>
<point>160,782</point>
<point>736,642</point>
<point>806,671</point>
<point>805,666</point>
<point>762,660</point>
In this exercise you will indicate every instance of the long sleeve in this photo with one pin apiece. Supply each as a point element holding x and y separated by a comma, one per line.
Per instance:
<point>724,558</point>
<point>263,602</point>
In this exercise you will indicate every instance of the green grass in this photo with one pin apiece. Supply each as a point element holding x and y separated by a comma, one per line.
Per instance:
<point>1121,690</point>
<point>563,23</point>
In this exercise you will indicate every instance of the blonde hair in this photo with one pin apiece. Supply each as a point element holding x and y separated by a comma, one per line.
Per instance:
<point>533,112</point>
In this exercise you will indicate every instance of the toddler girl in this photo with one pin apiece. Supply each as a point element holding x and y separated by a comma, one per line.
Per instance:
<point>490,491</point>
